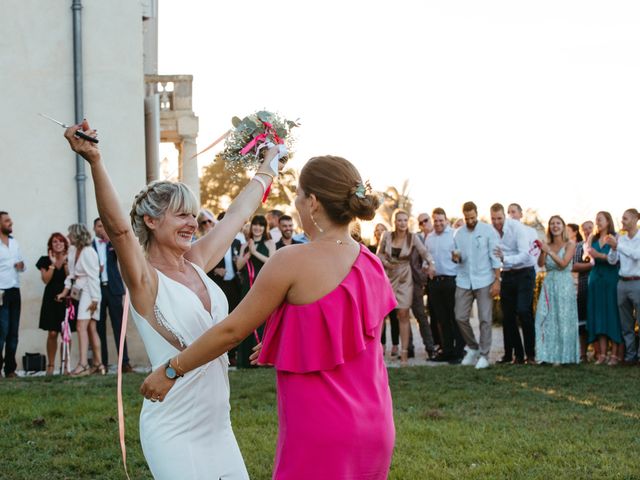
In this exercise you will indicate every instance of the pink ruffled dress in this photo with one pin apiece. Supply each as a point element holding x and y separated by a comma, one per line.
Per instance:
<point>334,403</point>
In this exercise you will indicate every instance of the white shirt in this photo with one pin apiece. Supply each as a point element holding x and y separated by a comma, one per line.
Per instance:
<point>441,245</point>
<point>514,243</point>
<point>628,253</point>
<point>9,256</point>
<point>478,258</point>
<point>228,266</point>
<point>276,234</point>
<point>101,248</point>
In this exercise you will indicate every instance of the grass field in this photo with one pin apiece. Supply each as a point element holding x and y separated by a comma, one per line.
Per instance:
<point>452,422</point>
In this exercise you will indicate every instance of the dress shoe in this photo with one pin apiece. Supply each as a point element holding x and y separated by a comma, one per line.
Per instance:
<point>442,358</point>
<point>127,368</point>
<point>517,361</point>
<point>504,361</point>
<point>11,375</point>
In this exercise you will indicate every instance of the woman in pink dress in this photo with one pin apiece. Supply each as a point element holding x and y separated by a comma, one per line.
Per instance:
<point>325,302</point>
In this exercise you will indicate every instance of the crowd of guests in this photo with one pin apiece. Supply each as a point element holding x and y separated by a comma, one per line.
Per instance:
<point>559,291</point>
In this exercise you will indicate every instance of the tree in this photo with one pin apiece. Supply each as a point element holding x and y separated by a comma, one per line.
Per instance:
<point>393,199</point>
<point>218,187</point>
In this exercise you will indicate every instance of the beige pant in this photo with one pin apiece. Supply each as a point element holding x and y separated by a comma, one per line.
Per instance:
<point>464,302</point>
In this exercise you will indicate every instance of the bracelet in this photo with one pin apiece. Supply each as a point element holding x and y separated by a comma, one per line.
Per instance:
<point>267,174</point>
<point>261,182</point>
<point>176,367</point>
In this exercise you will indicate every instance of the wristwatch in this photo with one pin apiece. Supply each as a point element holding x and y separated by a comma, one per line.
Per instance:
<point>170,372</point>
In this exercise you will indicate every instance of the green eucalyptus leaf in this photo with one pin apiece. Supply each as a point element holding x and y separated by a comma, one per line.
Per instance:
<point>235,121</point>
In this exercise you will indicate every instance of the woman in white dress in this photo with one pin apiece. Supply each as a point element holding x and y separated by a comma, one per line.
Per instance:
<point>189,434</point>
<point>84,274</point>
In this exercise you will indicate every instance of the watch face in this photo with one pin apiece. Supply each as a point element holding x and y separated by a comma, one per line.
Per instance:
<point>170,373</point>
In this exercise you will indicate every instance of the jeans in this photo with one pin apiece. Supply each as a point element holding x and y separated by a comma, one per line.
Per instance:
<point>9,325</point>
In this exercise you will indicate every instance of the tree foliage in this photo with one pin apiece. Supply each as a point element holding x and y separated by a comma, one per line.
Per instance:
<point>218,187</point>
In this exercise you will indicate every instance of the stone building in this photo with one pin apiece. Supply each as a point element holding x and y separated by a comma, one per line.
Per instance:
<point>70,59</point>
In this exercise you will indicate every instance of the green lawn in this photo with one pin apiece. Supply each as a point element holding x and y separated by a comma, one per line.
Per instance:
<point>452,423</point>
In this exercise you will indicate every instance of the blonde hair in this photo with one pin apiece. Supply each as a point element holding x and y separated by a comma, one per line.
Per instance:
<point>81,235</point>
<point>565,234</point>
<point>155,200</point>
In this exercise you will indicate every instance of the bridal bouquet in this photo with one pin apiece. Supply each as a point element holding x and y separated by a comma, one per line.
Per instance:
<point>243,145</point>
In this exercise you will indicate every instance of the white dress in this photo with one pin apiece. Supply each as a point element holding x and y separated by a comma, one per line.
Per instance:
<point>188,435</point>
<point>85,272</point>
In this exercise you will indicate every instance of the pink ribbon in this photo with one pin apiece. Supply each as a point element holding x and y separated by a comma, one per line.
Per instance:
<point>123,334</point>
<point>252,275</point>
<point>69,314</point>
<point>249,146</point>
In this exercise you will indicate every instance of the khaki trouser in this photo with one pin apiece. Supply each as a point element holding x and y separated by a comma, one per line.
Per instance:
<point>464,302</point>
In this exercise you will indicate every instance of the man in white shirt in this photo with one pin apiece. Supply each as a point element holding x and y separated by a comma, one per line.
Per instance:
<point>518,284</point>
<point>442,289</point>
<point>11,264</point>
<point>477,278</point>
<point>626,250</point>
<point>273,218</point>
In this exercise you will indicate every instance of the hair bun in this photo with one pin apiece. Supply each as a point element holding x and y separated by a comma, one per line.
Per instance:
<point>364,207</point>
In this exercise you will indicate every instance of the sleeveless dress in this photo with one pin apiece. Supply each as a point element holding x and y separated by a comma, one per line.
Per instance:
<point>52,312</point>
<point>557,339</point>
<point>334,404</point>
<point>188,435</point>
<point>603,317</point>
<point>248,274</point>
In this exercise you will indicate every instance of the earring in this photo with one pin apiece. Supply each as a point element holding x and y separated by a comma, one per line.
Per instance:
<point>316,223</point>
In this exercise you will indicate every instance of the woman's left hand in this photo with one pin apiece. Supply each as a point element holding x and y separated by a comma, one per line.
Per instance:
<point>92,307</point>
<point>252,246</point>
<point>156,386</point>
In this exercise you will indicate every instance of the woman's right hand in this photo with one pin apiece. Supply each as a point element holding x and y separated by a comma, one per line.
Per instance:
<point>60,297</point>
<point>86,149</point>
<point>265,166</point>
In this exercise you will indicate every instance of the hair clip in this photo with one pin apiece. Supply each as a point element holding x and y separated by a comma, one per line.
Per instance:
<point>362,189</point>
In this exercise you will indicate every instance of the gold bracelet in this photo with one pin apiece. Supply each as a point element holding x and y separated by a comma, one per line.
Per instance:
<point>177,368</point>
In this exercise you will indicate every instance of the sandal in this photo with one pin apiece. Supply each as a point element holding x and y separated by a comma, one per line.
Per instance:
<point>602,359</point>
<point>613,361</point>
<point>404,358</point>
<point>50,370</point>
<point>81,371</point>
<point>100,369</point>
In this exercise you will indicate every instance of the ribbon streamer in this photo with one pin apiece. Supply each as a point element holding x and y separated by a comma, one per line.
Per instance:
<point>123,334</point>
<point>217,141</point>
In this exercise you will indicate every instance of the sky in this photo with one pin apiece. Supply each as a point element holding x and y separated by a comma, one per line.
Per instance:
<point>493,101</point>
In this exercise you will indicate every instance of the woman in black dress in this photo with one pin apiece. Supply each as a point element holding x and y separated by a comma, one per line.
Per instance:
<point>253,255</point>
<point>53,271</point>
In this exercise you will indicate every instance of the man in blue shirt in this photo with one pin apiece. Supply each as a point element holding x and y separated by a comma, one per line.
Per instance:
<point>478,278</point>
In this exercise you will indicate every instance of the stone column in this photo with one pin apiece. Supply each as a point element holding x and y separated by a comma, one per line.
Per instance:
<point>189,164</point>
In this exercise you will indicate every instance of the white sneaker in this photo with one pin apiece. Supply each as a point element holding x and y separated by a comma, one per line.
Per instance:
<point>483,362</point>
<point>470,358</point>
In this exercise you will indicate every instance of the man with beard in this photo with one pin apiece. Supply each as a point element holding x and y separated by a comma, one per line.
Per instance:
<point>478,278</point>
<point>11,263</point>
<point>285,225</point>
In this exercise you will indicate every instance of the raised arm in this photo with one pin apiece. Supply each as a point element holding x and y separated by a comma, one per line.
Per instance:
<point>136,272</point>
<point>208,251</point>
<point>269,291</point>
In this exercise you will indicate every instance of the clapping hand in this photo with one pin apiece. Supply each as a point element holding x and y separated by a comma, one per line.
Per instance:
<point>252,246</point>
<point>611,241</point>
<point>498,253</point>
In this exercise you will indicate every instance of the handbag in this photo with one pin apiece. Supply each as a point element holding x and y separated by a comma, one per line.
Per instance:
<point>75,293</point>
<point>34,362</point>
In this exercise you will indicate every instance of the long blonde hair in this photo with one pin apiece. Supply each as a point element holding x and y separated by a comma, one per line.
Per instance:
<point>565,234</point>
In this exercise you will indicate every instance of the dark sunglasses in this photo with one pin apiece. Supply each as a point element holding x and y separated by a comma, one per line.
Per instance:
<point>426,220</point>
<point>205,221</point>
